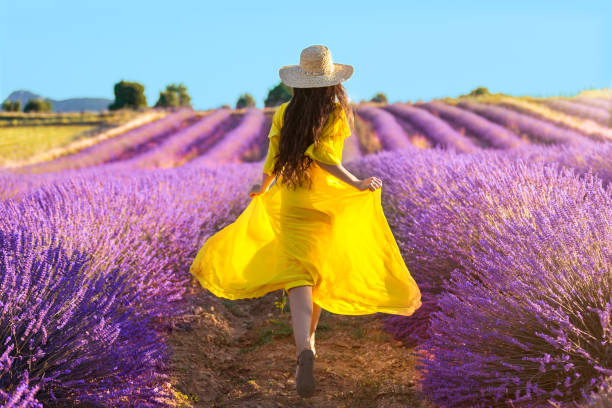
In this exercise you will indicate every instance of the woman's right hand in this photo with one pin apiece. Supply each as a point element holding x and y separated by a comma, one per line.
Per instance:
<point>371,182</point>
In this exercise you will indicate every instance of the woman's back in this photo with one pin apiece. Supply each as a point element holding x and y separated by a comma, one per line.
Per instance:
<point>331,141</point>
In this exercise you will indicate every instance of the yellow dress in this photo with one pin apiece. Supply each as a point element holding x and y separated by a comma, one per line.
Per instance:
<point>333,237</point>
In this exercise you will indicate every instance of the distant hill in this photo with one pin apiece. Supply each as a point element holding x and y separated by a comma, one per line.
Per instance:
<point>66,105</point>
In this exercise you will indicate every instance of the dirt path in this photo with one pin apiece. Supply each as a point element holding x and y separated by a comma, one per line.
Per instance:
<point>242,354</point>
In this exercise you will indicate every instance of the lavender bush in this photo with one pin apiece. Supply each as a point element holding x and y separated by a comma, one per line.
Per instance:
<point>540,131</point>
<point>503,251</point>
<point>433,127</point>
<point>120,147</point>
<point>389,132</point>
<point>429,199</point>
<point>176,149</point>
<point>605,104</point>
<point>602,398</point>
<point>415,135</point>
<point>593,131</point>
<point>599,115</point>
<point>493,134</point>
<point>593,158</point>
<point>527,318</point>
<point>258,147</point>
<point>150,228</point>
<point>23,395</point>
<point>70,334</point>
<point>236,141</point>
<point>14,185</point>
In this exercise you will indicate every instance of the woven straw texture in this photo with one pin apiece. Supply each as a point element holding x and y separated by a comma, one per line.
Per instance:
<point>316,69</point>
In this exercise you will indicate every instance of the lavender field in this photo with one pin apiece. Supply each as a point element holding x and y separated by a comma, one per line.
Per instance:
<point>501,206</point>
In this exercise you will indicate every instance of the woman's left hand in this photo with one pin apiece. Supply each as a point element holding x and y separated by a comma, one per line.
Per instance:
<point>255,190</point>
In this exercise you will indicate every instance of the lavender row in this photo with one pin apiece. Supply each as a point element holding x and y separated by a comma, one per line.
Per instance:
<point>234,143</point>
<point>538,301</point>
<point>581,160</point>
<point>589,129</point>
<point>351,149</point>
<point>540,131</point>
<point>605,104</point>
<point>148,228</point>
<point>142,241</point>
<point>433,127</point>
<point>70,333</point>
<point>175,150</point>
<point>493,134</point>
<point>599,115</point>
<point>389,132</point>
<point>593,158</point>
<point>257,149</point>
<point>485,221</point>
<point>120,147</point>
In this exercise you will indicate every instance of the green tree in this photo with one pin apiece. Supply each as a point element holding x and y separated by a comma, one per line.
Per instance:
<point>245,100</point>
<point>281,93</point>
<point>379,97</point>
<point>128,95</point>
<point>174,96</point>
<point>11,106</point>
<point>481,90</point>
<point>38,105</point>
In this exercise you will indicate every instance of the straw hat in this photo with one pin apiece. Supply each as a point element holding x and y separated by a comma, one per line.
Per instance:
<point>316,69</point>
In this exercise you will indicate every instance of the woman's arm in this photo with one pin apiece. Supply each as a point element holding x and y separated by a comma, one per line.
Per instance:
<point>343,174</point>
<point>266,180</point>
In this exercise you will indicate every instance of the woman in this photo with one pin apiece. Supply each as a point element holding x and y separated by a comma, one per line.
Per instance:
<point>318,232</point>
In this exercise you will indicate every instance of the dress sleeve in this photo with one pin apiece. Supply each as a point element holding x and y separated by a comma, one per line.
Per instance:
<point>342,130</point>
<point>273,138</point>
<point>331,142</point>
<point>325,152</point>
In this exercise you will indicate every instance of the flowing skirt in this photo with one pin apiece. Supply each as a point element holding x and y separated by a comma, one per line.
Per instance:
<point>333,237</point>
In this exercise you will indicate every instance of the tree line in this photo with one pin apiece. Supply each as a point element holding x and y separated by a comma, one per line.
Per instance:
<point>130,95</point>
<point>33,105</point>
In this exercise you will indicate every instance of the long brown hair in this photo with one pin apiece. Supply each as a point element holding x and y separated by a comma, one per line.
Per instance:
<point>303,120</point>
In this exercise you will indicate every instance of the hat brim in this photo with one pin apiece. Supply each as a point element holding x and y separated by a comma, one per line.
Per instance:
<point>293,76</point>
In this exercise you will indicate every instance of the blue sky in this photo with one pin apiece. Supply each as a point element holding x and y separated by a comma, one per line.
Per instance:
<point>409,50</point>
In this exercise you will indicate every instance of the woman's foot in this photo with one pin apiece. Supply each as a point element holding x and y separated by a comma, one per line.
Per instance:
<point>311,341</point>
<point>304,373</point>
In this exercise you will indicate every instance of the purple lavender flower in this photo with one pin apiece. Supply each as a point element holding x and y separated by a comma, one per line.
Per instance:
<point>538,130</point>
<point>433,127</point>
<point>599,115</point>
<point>493,134</point>
<point>23,396</point>
<point>236,141</point>
<point>120,147</point>
<point>177,149</point>
<point>149,229</point>
<point>527,317</point>
<point>389,132</point>
<point>72,331</point>
<point>605,104</point>
<point>602,398</point>
<point>513,261</point>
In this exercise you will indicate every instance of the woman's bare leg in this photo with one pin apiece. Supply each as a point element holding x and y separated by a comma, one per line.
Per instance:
<point>316,313</point>
<point>300,304</point>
